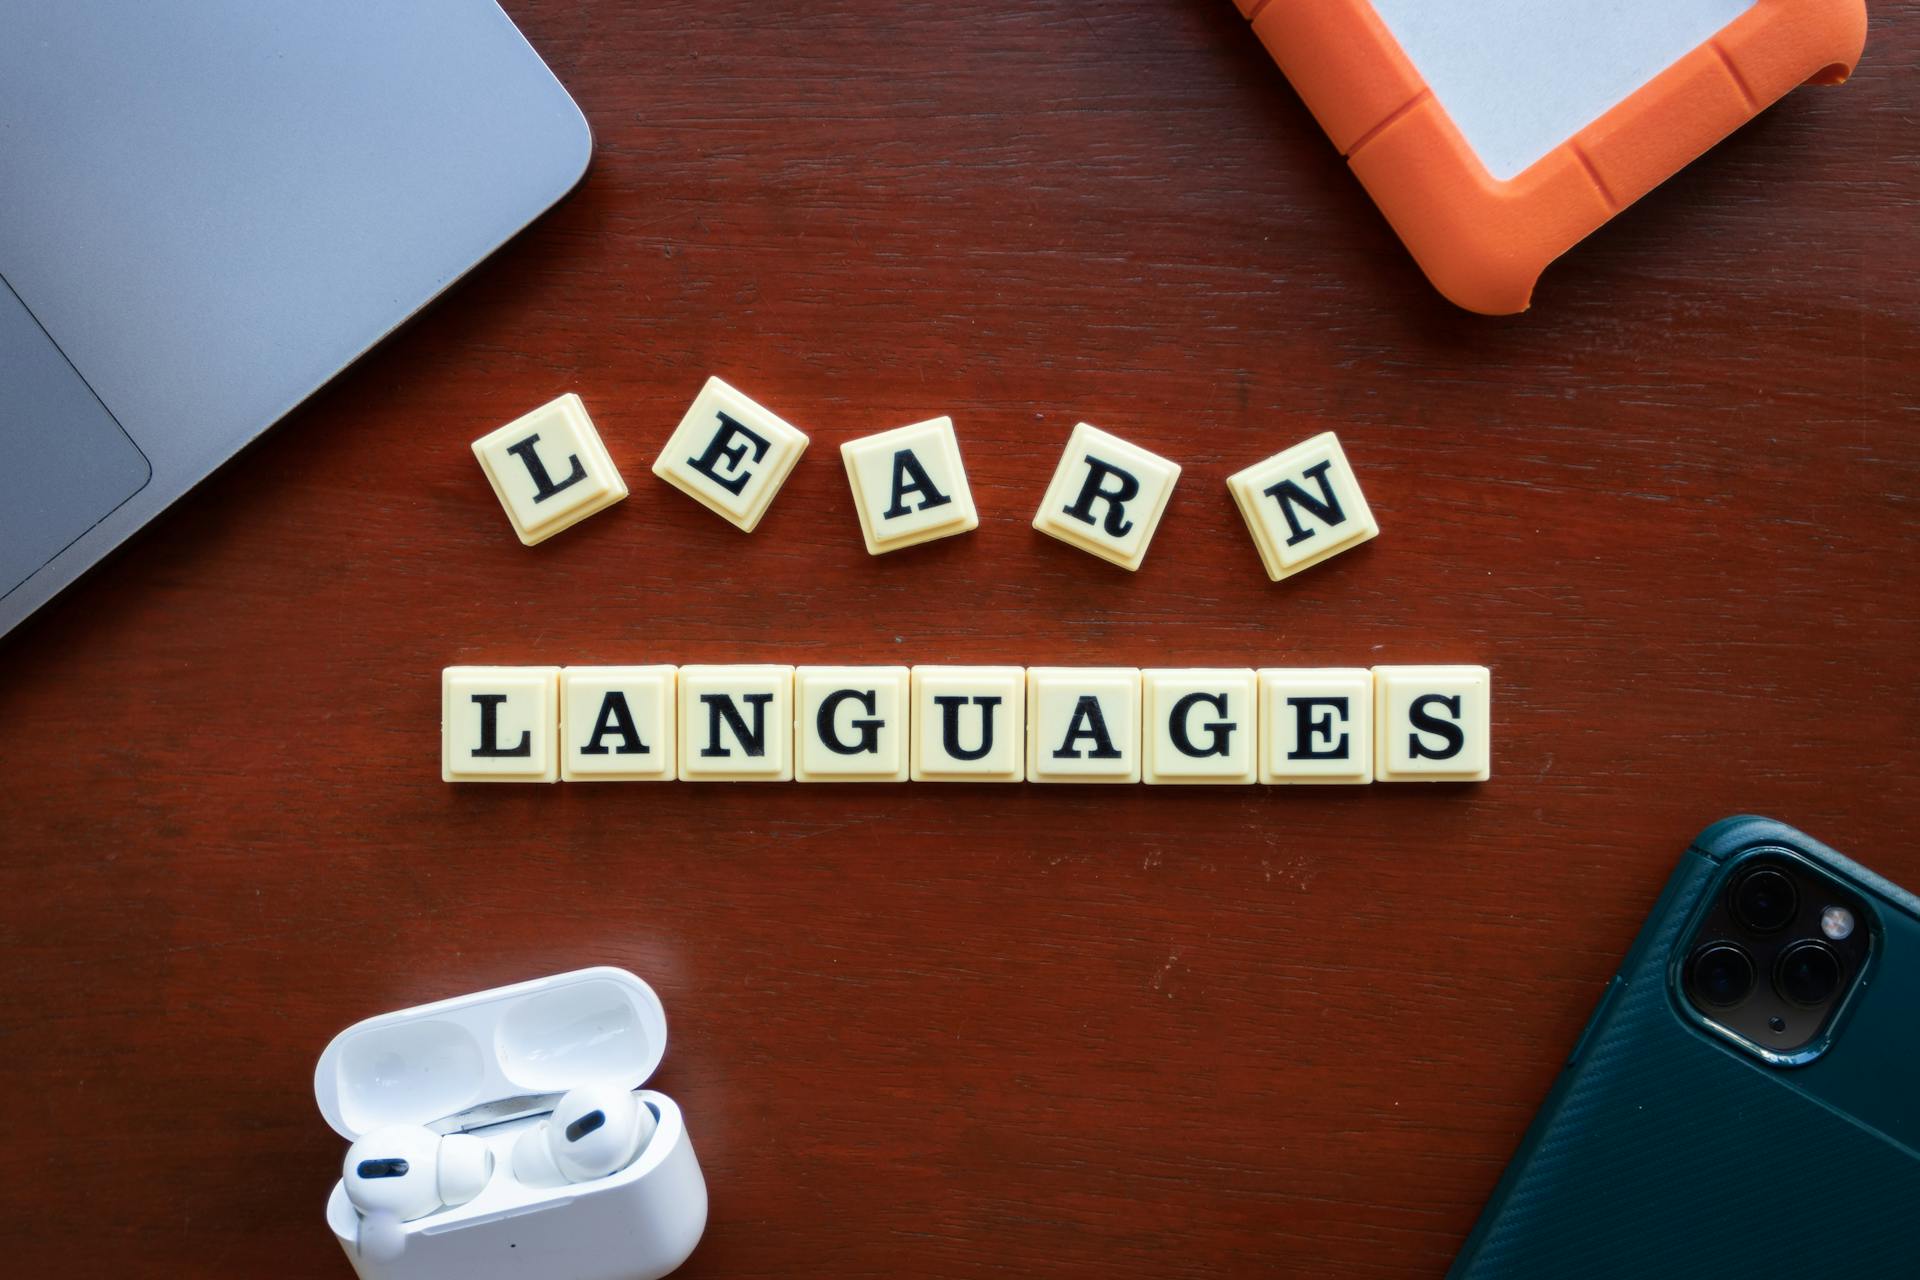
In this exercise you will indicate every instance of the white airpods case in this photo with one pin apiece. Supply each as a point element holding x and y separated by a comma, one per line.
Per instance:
<point>492,1064</point>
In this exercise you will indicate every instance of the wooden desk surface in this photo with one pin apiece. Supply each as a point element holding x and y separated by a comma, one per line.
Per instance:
<point>930,1030</point>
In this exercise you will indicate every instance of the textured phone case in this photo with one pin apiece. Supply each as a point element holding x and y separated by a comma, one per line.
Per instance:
<point>1662,1152</point>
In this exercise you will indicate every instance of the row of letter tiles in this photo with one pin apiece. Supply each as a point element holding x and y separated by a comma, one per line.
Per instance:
<point>550,471</point>
<point>773,723</point>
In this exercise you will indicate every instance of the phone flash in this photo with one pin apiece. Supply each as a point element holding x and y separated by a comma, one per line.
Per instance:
<point>1836,923</point>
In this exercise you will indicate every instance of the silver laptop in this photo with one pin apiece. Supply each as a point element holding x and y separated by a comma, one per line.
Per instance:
<point>210,207</point>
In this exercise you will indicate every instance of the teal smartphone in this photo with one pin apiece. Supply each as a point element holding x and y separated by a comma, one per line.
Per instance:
<point>1745,1101</point>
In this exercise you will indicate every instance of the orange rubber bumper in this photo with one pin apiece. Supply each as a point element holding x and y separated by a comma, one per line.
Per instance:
<point>1484,242</point>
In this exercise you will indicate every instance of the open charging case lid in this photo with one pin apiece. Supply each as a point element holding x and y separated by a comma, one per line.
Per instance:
<point>424,1064</point>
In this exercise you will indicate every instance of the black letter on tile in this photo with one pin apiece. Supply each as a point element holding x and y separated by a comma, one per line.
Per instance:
<point>1306,727</point>
<point>1222,730</point>
<point>907,468</point>
<point>1326,507</point>
<point>543,485</point>
<point>490,729</point>
<point>720,707</point>
<point>1126,487</point>
<point>1423,720</point>
<point>869,730</point>
<point>615,717</point>
<point>1088,722</point>
<point>950,724</point>
<point>707,464</point>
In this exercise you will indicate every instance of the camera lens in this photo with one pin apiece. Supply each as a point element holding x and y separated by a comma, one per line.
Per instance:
<point>1765,900</point>
<point>1722,974</point>
<point>1808,973</point>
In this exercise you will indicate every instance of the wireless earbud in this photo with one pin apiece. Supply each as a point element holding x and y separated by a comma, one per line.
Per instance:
<point>594,1132</point>
<point>409,1172</point>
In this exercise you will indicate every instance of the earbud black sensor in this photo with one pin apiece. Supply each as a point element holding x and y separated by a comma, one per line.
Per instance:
<point>585,1125</point>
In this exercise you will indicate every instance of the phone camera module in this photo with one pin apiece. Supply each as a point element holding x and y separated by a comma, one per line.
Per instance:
<point>1775,947</point>
<point>1721,975</point>
<point>1808,973</point>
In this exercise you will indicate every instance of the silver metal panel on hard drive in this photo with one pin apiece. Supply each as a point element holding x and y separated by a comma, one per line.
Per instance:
<point>210,207</point>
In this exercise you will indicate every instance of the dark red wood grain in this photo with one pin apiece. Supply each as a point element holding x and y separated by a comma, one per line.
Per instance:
<point>956,1031</point>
